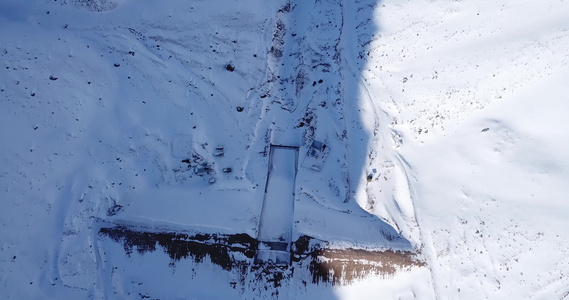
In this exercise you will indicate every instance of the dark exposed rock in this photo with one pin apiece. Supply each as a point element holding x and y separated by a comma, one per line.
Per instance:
<point>219,248</point>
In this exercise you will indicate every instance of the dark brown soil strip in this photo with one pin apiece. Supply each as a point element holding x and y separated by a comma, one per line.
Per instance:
<point>325,265</point>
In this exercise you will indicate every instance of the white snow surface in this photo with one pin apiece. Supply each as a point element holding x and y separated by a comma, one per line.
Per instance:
<point>445,120</point>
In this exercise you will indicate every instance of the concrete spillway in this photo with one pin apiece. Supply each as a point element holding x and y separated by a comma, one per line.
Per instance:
<point>275,226</point>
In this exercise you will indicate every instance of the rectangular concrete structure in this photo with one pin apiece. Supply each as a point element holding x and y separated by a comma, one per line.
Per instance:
<point>275,226</point>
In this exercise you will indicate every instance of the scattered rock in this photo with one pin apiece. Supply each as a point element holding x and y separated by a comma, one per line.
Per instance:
<point>114,210</point>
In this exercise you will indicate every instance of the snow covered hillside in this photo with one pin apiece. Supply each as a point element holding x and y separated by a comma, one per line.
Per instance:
<point>253,149</point>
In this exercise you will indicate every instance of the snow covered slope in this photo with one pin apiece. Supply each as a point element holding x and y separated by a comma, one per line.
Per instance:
<point>443,122</point>
<point>478,92</point>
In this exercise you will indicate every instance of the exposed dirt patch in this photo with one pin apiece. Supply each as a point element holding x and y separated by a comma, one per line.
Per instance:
<point>345,266</point>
